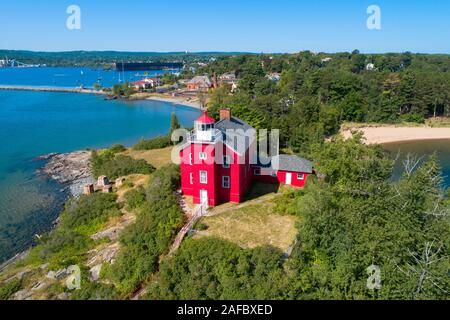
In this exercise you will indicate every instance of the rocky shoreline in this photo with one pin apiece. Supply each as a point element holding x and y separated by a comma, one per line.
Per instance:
<point>72,170</point>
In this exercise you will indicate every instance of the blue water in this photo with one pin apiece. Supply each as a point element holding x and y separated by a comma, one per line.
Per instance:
<point>68,77</point>
<point>421,149</point>
<point>38,123</point>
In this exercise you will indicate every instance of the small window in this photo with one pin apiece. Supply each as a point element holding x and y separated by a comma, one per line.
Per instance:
<point>202,155</point>
<point>226,162</point>
<point>203,177</point>
<point>191,178</point>
<point>257,172</point>
<point>300,176</point>
<point>190,159</point>
<point>226,182</point>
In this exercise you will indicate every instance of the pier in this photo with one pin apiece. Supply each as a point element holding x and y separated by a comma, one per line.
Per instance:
<point>50,89</point>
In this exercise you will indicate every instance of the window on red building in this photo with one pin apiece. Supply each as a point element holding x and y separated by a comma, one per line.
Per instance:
<point>226,182</point>
<point>203,177</point>
<point>226,162</point>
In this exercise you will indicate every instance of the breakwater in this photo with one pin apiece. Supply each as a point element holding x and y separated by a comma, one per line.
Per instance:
<point>50,89</point>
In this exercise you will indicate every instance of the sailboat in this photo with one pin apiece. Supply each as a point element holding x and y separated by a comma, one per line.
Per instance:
<point>82,73</point>
<point>99,78</point>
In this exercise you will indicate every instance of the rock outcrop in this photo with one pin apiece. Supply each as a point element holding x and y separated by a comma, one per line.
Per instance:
<point>70,169</point>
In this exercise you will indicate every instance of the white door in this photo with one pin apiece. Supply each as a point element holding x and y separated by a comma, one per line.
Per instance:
<point>203,197</point>
<point>288,178</point>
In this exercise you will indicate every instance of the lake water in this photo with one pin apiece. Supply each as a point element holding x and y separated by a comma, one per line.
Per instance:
<point>68,77</point>
<point>38,123</point>
<point>422,149</point>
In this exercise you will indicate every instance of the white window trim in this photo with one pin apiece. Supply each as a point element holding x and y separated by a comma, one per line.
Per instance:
<point>226,162</point>
<point>202,155</point>
<point>223,182</point>
<point>300,176</point>
<point>191,178</point>
<point>190,159</point>
<point>206,177</point>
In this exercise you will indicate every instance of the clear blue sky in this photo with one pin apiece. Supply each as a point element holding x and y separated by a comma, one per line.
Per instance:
<point>231,25</point>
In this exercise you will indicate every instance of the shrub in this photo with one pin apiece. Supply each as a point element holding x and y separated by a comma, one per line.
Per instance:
<point>9,288</point>
<point>413,117</point>
<point>117,148</point>
<point>214,269</point>
<point>80,219</point>
<point>89,210</point>
<point>118,166</point>
<point>156,224</point>
<point>135,198</point>
<point>155,143</point>
<point>95,291</point>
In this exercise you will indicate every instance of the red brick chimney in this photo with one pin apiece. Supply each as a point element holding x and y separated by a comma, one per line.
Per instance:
<point>225,114</point>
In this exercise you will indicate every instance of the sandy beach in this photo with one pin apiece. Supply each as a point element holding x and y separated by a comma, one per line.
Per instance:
<point>389,134</point>
<point>185,102</point>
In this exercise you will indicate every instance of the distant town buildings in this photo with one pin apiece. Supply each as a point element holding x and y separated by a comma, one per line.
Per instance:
<point>229,79</point>
<point>199,84</point>
<point>146,83</point>
<point>325,60</point>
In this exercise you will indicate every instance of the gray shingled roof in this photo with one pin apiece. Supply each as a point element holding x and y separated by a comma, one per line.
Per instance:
<point>202,80</point>
<point>233,123</point>
<point>291,163</point>
<point>234,139</point>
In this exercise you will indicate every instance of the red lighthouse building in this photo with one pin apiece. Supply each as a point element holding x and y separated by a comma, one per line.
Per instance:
<point>219,162</point>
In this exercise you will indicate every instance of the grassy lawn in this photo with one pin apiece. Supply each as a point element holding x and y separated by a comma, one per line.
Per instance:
<point>253,223</point>
<point>157,158</point>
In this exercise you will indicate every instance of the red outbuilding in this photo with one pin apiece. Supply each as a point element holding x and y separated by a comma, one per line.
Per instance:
<point>219,162</point>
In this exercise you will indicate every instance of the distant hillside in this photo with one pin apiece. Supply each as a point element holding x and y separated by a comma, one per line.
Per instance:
<point>100,58</point>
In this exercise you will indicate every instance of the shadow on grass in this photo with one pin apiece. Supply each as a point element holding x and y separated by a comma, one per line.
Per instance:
<point>260,189</point>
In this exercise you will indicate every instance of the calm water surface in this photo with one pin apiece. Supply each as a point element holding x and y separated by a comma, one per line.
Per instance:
<point>422,149</point>
<point>69,77</point>
<point>38,123</point>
